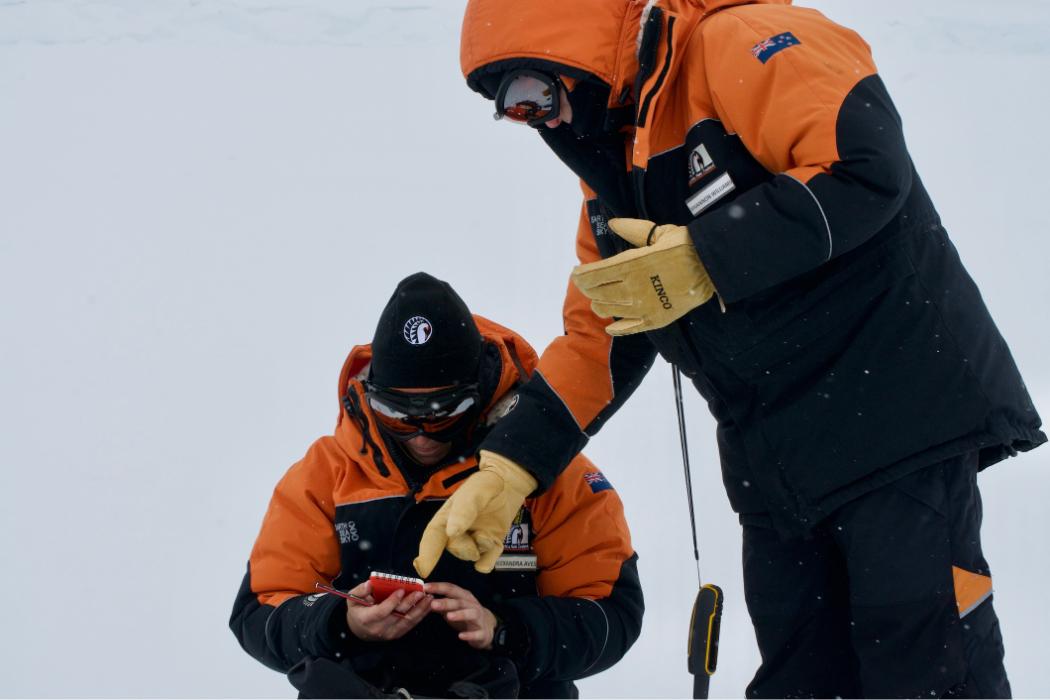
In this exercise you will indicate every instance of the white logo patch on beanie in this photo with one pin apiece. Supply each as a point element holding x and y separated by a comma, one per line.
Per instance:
<point>418,330</point>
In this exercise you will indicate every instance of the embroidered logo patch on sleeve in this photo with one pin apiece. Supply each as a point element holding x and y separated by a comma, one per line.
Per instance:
<point>765,50</point>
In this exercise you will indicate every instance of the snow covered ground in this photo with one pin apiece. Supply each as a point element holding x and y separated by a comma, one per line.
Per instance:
<point>205,203</point>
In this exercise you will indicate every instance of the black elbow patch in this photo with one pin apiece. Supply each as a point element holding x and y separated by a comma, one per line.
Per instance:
<point>874,172</point>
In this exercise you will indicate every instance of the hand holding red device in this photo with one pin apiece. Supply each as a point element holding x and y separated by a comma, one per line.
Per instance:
<point>383,585</point>
<point>356,599</point>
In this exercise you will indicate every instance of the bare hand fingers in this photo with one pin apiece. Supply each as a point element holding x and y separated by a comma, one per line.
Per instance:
<point>409,601</point>
<point>474,636</point>
<point>402,625</point>
<point>470,615</point>
<point>388,606</point>
<point>418,611</point>
<point>449,590</point>
<point>447,605</point>
<point>454,596</point>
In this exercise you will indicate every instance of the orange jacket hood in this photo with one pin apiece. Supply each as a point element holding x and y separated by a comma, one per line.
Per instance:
<point>583,37</point>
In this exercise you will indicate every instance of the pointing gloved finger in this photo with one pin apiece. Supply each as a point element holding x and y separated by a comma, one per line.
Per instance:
<point>432,544</point>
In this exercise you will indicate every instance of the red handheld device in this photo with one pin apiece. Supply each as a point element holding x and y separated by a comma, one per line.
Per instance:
<point>358,600</point>
<point>383,585</point>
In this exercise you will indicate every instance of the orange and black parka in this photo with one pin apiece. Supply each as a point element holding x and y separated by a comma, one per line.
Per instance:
<point>567,579</point>
<point>848,345</point>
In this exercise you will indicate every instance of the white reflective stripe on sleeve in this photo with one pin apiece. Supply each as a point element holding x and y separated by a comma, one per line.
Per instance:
<point>605,641</point>
<point>820,208</point>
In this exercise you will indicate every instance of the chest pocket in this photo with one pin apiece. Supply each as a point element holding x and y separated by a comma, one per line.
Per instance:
<point>515,572</point>
<point>366,537</point>
<point>708,171</point>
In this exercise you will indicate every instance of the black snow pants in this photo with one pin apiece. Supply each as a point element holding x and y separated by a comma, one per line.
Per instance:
<point>889,597</point>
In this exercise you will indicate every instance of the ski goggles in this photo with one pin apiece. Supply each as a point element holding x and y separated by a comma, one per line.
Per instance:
<point>440,415</point>
<point>528,97</point>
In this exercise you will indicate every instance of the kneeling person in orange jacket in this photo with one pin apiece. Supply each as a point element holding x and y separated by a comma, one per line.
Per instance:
<point>414,406</point>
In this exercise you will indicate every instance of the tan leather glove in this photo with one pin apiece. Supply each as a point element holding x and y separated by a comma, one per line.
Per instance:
<point>649,287</point>
<point>474,521</point>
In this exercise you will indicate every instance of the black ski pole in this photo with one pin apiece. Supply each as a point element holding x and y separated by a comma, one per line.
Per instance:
<point>706,620</point>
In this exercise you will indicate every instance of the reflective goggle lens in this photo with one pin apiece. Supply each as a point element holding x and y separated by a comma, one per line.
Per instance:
<point>403,428</point>
<point>408,415</point>
<point>528,98</point>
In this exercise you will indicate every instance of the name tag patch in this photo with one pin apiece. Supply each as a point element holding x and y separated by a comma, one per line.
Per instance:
<point>719,188</point>
<point>516,562</point>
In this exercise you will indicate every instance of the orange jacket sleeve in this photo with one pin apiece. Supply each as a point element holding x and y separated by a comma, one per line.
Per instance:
<point>582,539</point>
<point>812,110</point>
<point>583,377</point>
<point>277,616</point>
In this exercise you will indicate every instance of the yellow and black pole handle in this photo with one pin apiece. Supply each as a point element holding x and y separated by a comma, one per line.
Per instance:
<point>703,638</point>
<point>706,619</point>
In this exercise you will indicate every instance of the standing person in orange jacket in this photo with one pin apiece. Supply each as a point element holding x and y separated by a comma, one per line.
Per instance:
<point>414,406</point>
<point>751,213</point>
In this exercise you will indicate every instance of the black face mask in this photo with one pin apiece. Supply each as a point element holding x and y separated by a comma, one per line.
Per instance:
<point>599,160</point>
<point>593,146</point>
<point>589,101</point>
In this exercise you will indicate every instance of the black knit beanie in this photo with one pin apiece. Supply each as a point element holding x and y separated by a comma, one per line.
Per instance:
<point>426,337</point>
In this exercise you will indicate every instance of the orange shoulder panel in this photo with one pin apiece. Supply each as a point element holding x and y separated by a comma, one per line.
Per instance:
<point>786,109</point>
<point>581,539</point>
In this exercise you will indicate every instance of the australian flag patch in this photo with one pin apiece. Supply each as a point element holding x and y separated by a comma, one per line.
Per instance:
<point>597,481</point>
<point>765,50</point>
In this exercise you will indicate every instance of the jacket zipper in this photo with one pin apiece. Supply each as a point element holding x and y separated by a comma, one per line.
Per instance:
<point>643,113</point>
